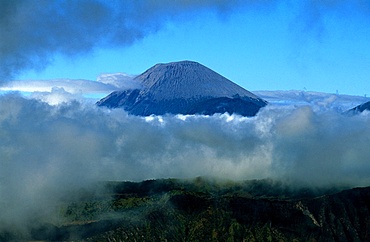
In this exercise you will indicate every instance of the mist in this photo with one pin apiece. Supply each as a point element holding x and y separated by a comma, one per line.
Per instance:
<point>50,151</point>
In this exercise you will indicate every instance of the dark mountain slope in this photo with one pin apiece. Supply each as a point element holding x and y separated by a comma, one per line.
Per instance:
<point>359,108</point>
<point>204,210</point>
<point>184,88</point>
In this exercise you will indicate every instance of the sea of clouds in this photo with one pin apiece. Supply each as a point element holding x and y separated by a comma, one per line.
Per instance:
<point>49,151</point>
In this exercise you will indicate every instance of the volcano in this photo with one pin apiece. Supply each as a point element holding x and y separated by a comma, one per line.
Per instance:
<point>184,87</point>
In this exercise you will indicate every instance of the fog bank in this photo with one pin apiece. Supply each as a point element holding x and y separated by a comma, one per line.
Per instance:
<point>48,151</point>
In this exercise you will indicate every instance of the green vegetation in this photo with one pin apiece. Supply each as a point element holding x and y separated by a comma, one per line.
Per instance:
<point>208,210</point>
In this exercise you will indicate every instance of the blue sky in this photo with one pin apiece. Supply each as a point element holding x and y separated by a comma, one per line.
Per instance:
<point>269,45</point>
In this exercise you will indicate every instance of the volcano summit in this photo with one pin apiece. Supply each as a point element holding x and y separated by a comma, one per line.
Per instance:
<point>184,87</point>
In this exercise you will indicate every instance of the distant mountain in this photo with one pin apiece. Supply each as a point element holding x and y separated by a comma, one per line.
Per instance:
<point>360,108</point>
<point>184,87</point>
<point>319,100</point>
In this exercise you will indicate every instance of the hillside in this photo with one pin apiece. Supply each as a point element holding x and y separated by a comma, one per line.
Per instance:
<point>208,210</point>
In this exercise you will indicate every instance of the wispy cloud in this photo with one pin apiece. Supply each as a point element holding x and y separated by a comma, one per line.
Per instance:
<point>69,85</point>
<point>57,91</point>
<point>319,101</point>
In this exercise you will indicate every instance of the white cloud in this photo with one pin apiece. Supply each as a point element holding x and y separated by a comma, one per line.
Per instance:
<point>319,101</point>
<point>48,151</point>
<point>119,80</point>
<point>73,86</point>
<point>57,91</point>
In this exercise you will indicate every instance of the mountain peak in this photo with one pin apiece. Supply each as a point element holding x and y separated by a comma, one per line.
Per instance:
<point>179,63</point>
<point>184,87</point>
<point>187,79</point>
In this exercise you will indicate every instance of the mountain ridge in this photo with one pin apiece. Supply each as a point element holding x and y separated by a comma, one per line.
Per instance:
<point>360,108</point>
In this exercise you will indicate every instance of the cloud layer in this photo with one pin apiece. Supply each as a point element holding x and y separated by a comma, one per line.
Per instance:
<point>57,91</point>
<point>319,101</point>
<point>49,151</point>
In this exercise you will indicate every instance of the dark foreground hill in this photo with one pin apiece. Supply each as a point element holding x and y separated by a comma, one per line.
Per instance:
<point>204,210</point>
<point>184,87</point>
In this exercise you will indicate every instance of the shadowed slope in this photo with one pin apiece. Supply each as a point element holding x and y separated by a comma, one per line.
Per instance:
<point>360,108</point>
